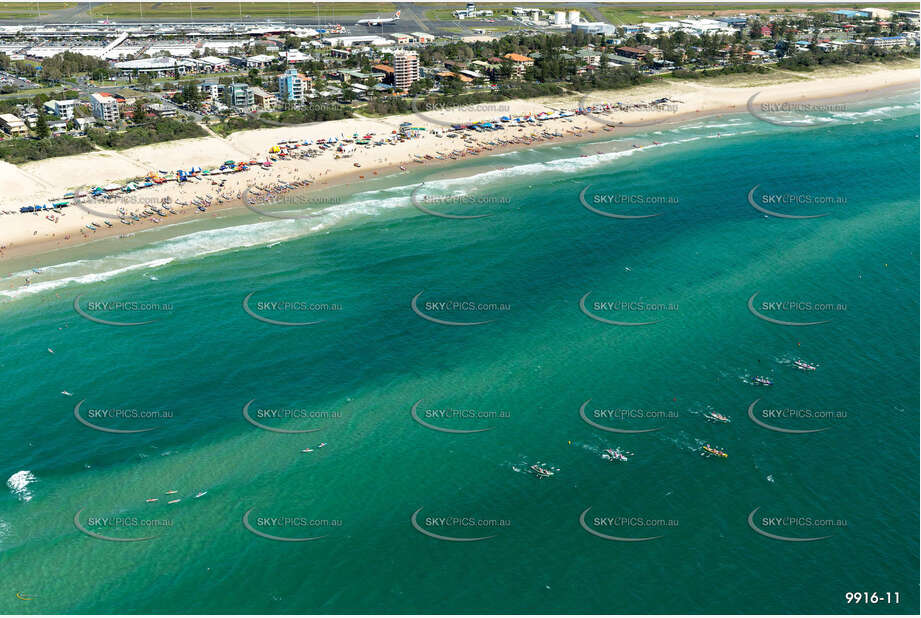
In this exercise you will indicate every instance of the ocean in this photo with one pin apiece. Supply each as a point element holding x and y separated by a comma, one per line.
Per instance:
<point>439,359</point>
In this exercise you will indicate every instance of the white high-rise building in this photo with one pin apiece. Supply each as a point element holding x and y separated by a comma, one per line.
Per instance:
<point>405,69</point>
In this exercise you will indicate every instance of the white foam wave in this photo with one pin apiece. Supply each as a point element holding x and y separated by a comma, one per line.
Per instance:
<point>886,111</point>
<point>724,125</point>
<point>91,277</point>
<point>366,203</point>
<point>19,485</point>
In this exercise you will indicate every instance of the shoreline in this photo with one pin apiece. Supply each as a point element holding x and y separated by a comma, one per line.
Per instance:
<point>24,235</point>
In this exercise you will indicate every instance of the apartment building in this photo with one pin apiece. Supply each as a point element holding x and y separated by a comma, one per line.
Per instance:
<point>405,69</point>
<point>13,125</point>
<point>292,86</point>
<point>63,110</point>
<point>239,96</point>
<point>105,107</point>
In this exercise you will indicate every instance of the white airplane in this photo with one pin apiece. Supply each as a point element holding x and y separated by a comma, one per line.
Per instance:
<point>379,21</point>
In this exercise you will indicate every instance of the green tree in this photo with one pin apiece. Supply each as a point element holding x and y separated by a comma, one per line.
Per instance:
<point>41,125</point>
<point>191,95</point>
<point>140,110</point>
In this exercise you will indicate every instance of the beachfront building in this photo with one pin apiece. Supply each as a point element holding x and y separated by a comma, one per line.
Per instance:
<point>161,110</point>
<point>887,41</point>
<point>405,69</point>
<point>64,110</point>
<point>239,96</point>
<point>84,123</point>
<point>13,125</point>
<point>212,90</point>
<point>519,63</point>
<point>266,101</point>
<point>105,107</point>
<point>292,86</point>
<point>589,56</point>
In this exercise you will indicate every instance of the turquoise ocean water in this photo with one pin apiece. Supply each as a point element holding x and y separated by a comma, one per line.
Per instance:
<point>356,374</point>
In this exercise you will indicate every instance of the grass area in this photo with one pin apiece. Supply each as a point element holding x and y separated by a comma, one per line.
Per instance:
<point>12,10</point>
<point>206,10</point>
<point>628,13</point>
<point>28,94</point>
<point>633,13</point>
<point>618,16</point>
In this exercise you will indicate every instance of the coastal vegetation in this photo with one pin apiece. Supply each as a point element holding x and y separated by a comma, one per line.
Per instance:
<point>23,150</point>
<point>808,59</point>
<point>160,130</point>
<point>318,112</point>
<point>383,106</point>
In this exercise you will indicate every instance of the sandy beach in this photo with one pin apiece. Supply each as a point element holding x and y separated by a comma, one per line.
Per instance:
<point>45,181</point>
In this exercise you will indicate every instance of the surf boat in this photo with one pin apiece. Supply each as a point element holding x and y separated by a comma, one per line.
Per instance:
<point>803,365</point>
<point>540,472</point>
<point>716,417</point>
<point>709,450</point>
<point>762,381</point>
<point>612,455</point>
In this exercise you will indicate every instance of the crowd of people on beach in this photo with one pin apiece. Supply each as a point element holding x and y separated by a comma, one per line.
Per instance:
<point>280,169</point>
